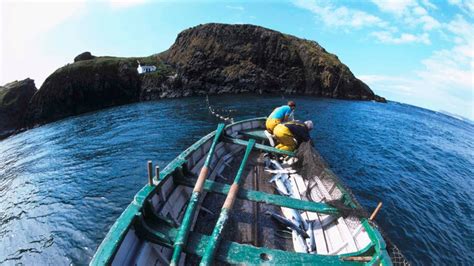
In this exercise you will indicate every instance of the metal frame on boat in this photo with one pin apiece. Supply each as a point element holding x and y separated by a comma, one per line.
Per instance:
<point>147,230</point>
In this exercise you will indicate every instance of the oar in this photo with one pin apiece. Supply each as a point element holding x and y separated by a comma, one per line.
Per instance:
<point>374,213</point>
<point>225,211</point>
<point>183,232</point>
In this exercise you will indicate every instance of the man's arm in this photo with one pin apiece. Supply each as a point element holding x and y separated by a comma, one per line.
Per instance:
<point>287,113</point>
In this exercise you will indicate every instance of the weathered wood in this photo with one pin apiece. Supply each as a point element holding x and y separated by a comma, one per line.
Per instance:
<point>208,256</point>
<point>157,172</point>
<point>234,253</point>
<point>261,147</point>
<point>360,259</point>
<point>255,208</point>
<point>150,173</point>
<point>201,178</point>
<point>262,197</point>
<point>182,236</point>
<point>318,231</point>
<point>372,216</point>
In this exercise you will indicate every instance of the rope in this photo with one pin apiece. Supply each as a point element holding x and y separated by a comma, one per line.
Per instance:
<point>218,113</point>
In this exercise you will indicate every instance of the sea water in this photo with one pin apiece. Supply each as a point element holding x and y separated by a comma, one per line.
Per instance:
<point>63,185</point>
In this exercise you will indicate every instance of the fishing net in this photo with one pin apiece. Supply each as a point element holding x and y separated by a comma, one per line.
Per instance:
<point>310,165</point>
<point>315,171</point>
<point>394,252</point>
<point>222,114</point>
<point>309,162</point>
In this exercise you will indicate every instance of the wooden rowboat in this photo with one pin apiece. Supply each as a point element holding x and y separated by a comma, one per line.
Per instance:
<point>268,214</point>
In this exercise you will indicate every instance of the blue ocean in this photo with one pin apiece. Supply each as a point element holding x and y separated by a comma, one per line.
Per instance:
<point>62,185</point>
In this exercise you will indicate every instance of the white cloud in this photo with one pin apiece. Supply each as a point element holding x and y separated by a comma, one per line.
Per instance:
<point>422,91</point>
<point>390,38</point>
<point>463,30</point>
<point>410,16</point>
<point>428,4</point>
<point>454,67</point>
<point>24,25</point>
<point>401,85</point>
<point>239,8</point>
<point>420,11</point>
<point>449,69</point>
<point>396,7</point>
<point>415,22</point>
<point>410,12</point>
<point>446,79</point>
<point>340,16</point>
<point>125,3</point>
<point>429,23</point>
<point>466,6</point>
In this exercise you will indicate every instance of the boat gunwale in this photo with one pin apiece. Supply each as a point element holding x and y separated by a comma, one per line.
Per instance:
<point>112,241</point>
<point>116,234</point>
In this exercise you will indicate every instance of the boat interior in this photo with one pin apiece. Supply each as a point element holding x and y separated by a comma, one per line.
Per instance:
<point>279,217</point>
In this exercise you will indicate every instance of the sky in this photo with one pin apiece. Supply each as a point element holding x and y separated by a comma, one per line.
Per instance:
<point>419,52</point>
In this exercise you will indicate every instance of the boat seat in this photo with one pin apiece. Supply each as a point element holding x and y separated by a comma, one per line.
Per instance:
<point>160,232</point>
<point>258,134</point>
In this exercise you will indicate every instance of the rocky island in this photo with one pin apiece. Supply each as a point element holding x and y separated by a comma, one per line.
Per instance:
<point>204,60</point>
<point>14,99</point>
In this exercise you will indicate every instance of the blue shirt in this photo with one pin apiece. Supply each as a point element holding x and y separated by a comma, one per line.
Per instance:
<point>281,112</point>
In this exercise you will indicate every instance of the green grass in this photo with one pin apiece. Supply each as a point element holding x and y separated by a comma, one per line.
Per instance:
<point>111,62</point>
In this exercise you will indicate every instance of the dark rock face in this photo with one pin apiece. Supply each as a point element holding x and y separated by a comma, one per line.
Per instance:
<point>14,99</point>
<point>82,87</point>
<point>380,99</point>
<point>220,58</point>
<point>84,56</point>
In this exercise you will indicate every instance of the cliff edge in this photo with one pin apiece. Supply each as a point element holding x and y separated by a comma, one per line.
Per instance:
<point>204,60</point>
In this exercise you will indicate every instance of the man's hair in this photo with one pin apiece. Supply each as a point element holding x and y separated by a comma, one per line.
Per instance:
<point>291,103</point>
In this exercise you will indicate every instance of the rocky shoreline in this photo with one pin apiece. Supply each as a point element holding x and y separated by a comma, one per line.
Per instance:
<point>204,60</point>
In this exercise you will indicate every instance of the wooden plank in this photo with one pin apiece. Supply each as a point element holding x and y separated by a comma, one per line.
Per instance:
<point>321,246</point>
<point>261,147</point>
<point>146,256</point>
<point>348,244</point>
<point>236,253</point>
<point>127,249</point>
<point>346,235</point>
<point>318,230</point>
<point>331,233</point>
<point>325,220</point>
<point>176,199</point>
<point>335,242</point>
<point>255,134</point>
<point>361,237</point>
<point>263,197</point>
<point>162,254</point>
<point>216,237</point>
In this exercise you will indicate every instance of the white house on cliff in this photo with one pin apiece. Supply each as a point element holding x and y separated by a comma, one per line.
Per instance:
<point>145,69</point>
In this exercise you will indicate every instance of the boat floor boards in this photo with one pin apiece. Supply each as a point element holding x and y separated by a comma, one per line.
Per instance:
<point>248,223</point>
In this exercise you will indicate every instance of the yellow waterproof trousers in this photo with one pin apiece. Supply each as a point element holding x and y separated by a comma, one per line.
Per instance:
<point>271,124</point>
<point>284,138</point>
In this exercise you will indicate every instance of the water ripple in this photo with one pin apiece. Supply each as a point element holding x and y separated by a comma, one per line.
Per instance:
<point>63,185</point>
